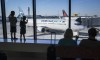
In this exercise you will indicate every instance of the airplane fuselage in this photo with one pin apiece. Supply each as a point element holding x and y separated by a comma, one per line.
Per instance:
<point>59,24</point>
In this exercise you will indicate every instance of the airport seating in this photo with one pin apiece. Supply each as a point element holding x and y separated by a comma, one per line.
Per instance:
<point>78,52</point>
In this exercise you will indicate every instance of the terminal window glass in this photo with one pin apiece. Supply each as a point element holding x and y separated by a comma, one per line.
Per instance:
<point>85,15</point>
<point>21,8</point>
<point>50,18</point>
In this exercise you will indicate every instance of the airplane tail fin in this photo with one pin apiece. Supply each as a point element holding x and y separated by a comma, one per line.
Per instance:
<point>64,13</point>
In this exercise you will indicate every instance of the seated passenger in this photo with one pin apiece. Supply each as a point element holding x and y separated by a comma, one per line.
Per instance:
<point>91,41</point>
<point>67,40</point>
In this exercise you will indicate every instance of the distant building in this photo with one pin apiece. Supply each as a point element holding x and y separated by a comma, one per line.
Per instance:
<point>75,14</point>
<point>28,11</point>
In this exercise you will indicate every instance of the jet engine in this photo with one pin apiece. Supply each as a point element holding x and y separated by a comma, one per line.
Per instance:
<point>43,29</point>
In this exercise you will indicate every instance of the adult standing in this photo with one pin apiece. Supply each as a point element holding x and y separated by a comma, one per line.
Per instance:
<point>13,21</point>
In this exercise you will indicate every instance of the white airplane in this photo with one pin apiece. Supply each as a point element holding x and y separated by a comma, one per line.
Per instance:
<point>57,24</point>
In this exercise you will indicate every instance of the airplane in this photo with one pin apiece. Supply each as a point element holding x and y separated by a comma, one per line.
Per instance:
<point>61,24</point>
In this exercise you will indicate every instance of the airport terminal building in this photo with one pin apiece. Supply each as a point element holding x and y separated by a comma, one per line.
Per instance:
<point>47,22</point>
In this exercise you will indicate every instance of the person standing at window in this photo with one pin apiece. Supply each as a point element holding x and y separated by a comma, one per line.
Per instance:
<point>23,23</point>
<point>13,21</point>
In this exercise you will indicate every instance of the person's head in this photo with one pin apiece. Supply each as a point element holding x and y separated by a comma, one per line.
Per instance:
<point>24,18</point>
<point>12,13</point>
<point>92,32</point>
<point>68,33</point>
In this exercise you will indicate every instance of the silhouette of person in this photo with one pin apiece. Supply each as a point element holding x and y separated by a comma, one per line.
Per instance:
<point>91,41</point>
<point>67,41</point>
<point>13,21</point>
<point>23,23</point>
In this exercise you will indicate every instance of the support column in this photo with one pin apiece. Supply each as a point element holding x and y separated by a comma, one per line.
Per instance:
<point>3,19</point>
<point>34,21</point>
<point>69,13</point>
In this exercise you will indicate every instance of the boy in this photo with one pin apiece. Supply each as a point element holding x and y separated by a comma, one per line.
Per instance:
<point>23,23</point>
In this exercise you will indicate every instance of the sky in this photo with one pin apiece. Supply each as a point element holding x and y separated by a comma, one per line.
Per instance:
<point>54,7</point>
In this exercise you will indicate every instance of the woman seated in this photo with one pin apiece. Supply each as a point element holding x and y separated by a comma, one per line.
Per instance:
<point>67,41</point>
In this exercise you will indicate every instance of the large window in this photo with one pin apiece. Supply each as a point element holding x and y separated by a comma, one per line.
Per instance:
<point>86,15</point>
<point>21,8</point>
<point>50,18</point>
